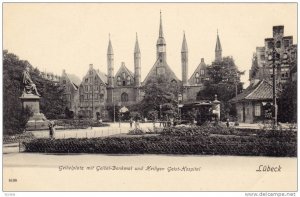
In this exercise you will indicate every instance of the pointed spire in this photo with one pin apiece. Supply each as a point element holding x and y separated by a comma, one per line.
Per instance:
<point>218,44</point>
<point>136,47</point>
<point>161,34</point>
<point>161,39</point>
<point>110,49</point>
<point>184,47</point>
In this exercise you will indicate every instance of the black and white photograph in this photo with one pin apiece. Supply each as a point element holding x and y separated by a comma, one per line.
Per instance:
<point>147,96</point>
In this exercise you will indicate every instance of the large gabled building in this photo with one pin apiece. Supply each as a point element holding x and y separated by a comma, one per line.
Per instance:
<point>97,90</point>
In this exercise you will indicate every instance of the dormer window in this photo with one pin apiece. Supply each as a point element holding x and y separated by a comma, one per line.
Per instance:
<point>201,72</point>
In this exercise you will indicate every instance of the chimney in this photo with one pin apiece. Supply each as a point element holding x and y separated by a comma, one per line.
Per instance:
<point>91,66</point>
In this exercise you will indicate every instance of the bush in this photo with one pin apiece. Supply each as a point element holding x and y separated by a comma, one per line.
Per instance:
<point>184,131</point>
<point>164,144</point>
<point>204,130</point>
<point>136,131</point>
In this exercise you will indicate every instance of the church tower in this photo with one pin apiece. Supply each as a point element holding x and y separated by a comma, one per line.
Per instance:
<point>184,61</point>
<point>218,49</point>
<point>161,44</point>
<point>110,72</point>
<point>137,69</point>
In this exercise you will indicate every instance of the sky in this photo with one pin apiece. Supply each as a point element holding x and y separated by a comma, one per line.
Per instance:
<point>70,36</point>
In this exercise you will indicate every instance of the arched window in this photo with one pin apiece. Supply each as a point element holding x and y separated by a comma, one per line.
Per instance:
<point>119,80</point>
<point>124,97</point>
<point>128,80</point>
<point>124,75</point>
<point>197,77</point>
<point>101,98</point>
<point>201,72</point>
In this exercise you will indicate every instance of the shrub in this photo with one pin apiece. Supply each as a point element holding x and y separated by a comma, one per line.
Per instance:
<point>136,131</point>
<point>162,144</point>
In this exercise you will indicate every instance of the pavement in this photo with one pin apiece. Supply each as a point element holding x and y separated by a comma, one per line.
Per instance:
<point>102,172</point>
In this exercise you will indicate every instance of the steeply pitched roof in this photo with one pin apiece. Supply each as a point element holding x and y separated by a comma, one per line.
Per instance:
<point>136,47</point>
<point>218,44</point>
<point>122,69</point>
<point>259,90</point>
<point>184,47</point>
<point>110,49</point>
<point>74,79</point>
<point>201,66</point>
<point>102,76</point>
<point>168,71</point>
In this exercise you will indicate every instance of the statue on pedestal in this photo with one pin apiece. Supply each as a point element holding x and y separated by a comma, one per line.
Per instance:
<point>29,86</point>
<point>31,98</point>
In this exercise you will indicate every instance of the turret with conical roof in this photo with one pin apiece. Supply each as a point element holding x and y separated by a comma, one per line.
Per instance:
<point>137,63</point>
<point>184,60</point>
<point>218,49</point>
<point>110,64</point>
<point>161,44</point>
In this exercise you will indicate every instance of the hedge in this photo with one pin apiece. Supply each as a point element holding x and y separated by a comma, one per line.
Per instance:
<point>165,144</point>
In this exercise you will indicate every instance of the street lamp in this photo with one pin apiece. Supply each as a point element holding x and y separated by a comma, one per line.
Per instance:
<point>276,60</point>
<point>179,105</point>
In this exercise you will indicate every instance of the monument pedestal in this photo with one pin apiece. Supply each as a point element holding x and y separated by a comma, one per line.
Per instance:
<point>38,120</point>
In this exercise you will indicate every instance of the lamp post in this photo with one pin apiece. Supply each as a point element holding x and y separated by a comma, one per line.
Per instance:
<point>179,105</point>
<point>276,60</point>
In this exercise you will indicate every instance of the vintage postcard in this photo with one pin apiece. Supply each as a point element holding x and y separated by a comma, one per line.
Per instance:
<point>150,97</point>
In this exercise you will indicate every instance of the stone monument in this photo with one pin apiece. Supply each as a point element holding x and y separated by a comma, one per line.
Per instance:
<point>31,98</point>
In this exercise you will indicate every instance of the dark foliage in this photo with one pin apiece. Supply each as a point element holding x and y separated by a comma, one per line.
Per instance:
<point>193,142</point>
<point>287,103</point>
<point>162,92</point>
<point>14,118</point>
<point>224,82</point>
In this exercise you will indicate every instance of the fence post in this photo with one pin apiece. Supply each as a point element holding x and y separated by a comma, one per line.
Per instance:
<point>19,146</point>
<point>86,134</point>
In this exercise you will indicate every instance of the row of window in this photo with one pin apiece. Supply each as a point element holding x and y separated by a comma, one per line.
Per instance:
<point>90,96</point>
<point>90,88</point>
<point>284,73</point>
<point>202,72</point>
<point>125,81</point>
<point>95,81</point>
<point>124,97</point>
<point>257,110</point>
<point>286,43</point>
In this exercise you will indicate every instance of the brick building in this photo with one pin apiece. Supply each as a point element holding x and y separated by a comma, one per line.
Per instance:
<point>123,88</point>
<point>250,104</point>
<point>262,68</point>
